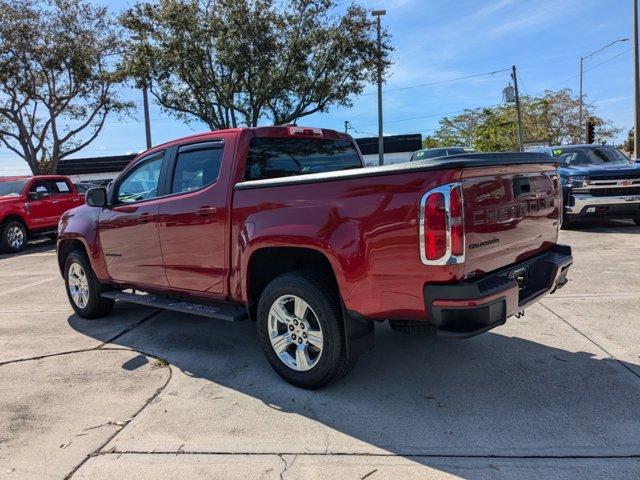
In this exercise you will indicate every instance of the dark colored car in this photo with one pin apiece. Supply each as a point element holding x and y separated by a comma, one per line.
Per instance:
<point>284,225</point>
<point>428,153</point>
<point>597,181</point>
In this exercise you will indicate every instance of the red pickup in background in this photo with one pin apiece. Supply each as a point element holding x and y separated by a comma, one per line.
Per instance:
<point>32,206</point>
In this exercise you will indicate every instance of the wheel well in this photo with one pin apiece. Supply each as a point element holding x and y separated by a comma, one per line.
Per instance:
<point>65,247</point>
<point>268,263</point>
<point>16,218</point>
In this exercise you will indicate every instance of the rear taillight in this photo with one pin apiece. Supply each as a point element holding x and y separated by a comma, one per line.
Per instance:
<point>435,221</point>
<point>442,225</point>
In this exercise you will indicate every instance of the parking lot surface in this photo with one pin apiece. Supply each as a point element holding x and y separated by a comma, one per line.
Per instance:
<point>150,394</point>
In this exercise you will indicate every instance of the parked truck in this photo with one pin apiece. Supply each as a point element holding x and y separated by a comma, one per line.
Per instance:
<point>285,226</point>
<point>598,181</point>
<point>32,206</point>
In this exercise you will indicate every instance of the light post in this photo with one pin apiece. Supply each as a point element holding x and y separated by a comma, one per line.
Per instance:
<point>145,103</point>
<point>378,14</point>
<point>582,62</point>
<point>636,83</point>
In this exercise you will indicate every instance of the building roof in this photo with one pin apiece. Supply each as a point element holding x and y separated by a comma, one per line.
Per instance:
<point>392,144</point>
<point>79,166</point>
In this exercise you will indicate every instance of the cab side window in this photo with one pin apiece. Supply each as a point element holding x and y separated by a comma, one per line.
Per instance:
<point>141,183</point>
<point>40,189</point>
<point>197,166</point>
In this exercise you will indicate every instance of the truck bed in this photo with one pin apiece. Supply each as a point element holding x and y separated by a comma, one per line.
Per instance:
<point>366,222</point>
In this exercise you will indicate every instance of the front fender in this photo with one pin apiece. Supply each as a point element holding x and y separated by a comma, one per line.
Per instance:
<point>81,224</point>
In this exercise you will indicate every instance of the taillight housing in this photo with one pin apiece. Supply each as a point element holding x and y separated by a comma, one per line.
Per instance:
<point>441,225</point>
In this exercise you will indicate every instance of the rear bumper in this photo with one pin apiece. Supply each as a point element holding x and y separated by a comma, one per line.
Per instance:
<point>470,308</point>
<point>615,206</point>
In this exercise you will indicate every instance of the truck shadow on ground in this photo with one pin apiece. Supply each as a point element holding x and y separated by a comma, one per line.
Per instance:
<point>418,397</point>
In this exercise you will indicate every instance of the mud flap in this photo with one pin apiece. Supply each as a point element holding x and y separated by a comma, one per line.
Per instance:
<point>359,332</point>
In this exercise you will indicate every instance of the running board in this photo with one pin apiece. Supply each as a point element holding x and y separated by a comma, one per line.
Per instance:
<point>220,311</point>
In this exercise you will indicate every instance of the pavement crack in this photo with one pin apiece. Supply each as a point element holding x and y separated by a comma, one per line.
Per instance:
<point>98,450</point>
<point>287,465</point>
<point>624,365</point>
<point>100,346</point>
<point>129,328</point>
<point>115,451</point>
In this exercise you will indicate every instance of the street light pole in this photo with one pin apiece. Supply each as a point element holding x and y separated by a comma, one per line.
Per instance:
<point>582,62</point>
<point>378,14</point>
<point>636,82</point>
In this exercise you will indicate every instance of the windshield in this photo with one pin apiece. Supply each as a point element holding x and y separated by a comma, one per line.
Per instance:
<point>590,156</point>
<point>432,153</point>
<point>12,188</point>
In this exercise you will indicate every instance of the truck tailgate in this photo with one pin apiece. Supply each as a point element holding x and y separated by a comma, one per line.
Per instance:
<point>510,213</point>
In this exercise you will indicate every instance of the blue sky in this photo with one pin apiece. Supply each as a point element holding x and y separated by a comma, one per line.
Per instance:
<point>439,40</point>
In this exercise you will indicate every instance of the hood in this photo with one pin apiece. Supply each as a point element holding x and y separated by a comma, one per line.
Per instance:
<point>595,171</point>
<point>8,198</point>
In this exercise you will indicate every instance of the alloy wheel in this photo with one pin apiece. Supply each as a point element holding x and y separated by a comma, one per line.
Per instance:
<point>78,285</point>
<point>295,333</point>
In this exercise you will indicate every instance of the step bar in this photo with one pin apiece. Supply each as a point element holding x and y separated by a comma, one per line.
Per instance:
<point>220,311</point>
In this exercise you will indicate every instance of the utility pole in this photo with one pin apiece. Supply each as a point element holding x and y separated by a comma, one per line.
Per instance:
<point>580,114</point>
<point>514,76</point>
<point>145,99</point>
<point>583,60</point>
<point>378,14</point>
<point>636,82</point>
<point>147,120</point>
<point>346,126</point>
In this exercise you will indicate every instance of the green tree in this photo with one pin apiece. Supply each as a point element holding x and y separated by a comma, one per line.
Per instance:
<point>58,72</point>
<point>236,62</point>
<point>552,117</point>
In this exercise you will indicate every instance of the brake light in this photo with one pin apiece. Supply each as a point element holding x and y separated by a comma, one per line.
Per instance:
<point>436,226</point>
<point>306,131</point>
<point>442,225</point>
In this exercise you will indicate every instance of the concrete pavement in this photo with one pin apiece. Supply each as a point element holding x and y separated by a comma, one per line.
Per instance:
<point>555,394</point>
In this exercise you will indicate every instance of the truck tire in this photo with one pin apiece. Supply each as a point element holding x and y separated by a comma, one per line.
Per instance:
<point>83,288</point>
<point>13,237</point>
<point>301,330</point>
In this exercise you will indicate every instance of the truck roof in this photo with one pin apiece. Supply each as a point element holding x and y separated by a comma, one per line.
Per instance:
<point>265,131</point>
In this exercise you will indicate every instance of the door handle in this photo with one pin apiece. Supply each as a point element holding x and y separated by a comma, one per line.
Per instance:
<point>145,218</point>
<point>206,211</point>
<point>55,202</point>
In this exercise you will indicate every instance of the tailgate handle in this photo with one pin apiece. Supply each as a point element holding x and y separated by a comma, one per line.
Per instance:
<point>521,186</point>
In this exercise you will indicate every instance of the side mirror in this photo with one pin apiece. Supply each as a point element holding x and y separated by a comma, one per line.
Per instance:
<point>96,197</point>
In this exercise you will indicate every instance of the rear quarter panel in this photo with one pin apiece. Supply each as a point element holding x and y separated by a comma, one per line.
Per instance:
<point>366,227</point>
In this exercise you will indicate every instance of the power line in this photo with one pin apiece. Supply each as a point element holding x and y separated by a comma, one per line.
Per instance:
<point>588,69</point>
<point>441,82</point>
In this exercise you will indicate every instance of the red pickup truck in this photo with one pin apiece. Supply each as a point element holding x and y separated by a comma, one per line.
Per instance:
<point>32,206</point>
<point>286,227</point>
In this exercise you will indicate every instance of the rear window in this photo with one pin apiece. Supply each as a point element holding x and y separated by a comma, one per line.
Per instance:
<point>283,157</point>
